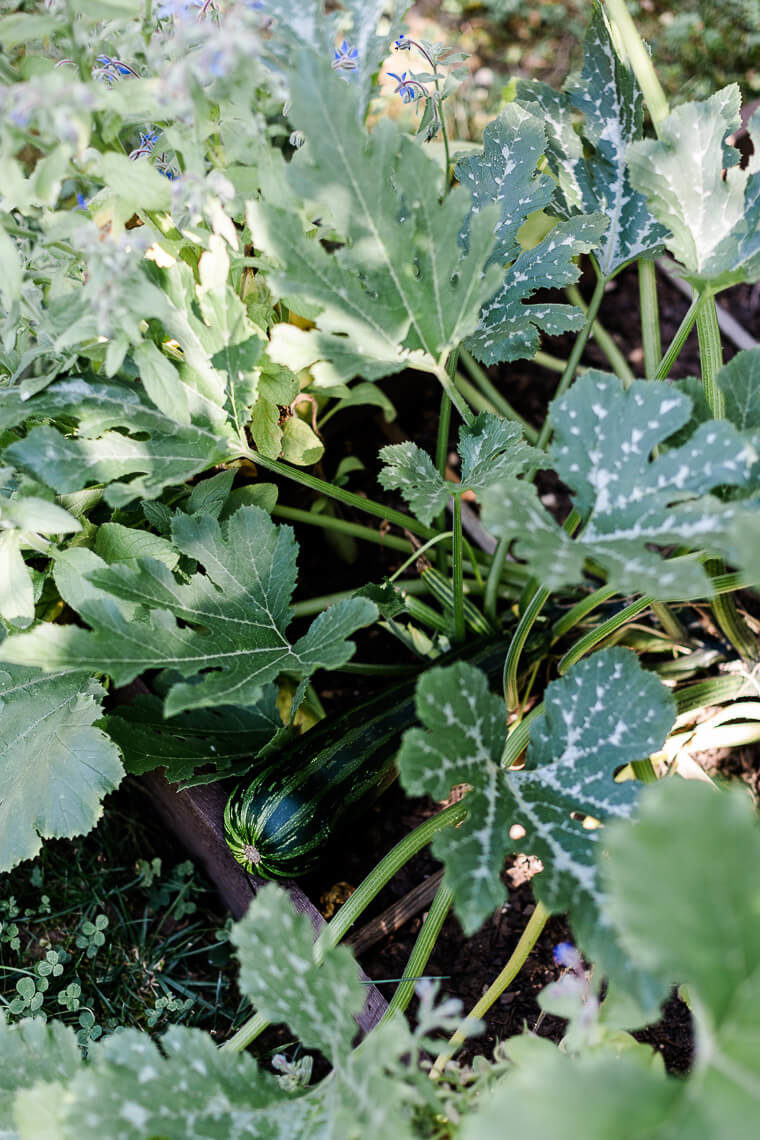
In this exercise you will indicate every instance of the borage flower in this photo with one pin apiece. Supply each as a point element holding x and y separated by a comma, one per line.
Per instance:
<point>110,70</point>
<point>404,87</point>
<point>403,44</point>
<point>147,142</point>
<point>345,58</point>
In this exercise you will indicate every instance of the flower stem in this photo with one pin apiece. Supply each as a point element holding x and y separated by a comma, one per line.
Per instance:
<point>517,960</point>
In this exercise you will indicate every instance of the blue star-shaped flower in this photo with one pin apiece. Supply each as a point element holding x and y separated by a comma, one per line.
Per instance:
<point>404,87</point>
<point>345,57</point>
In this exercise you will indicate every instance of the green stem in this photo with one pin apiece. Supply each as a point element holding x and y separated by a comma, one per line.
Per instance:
<point>579,611</point>
<point>710,353</point>
<point>310,606</point>
<point>423,948</point>
<point>446,534</point>
<point>650,317</point>
<point>441,457</point>
<point>517,960</point>
<point>491,601</point>
<point>617,361</point>
<point>516,645</point>
<point>678,341</point>
<point>713,691</point>
<point>491,392</point>
<point>634,47</point>
<point>371,886</point>
<point>447,383</point>
<point>422,612</point>
<point>368,506</point>
<point>342,526</point>
<point>531,612</point>
<point>711,360</point>
<point>652,345</point>
<point>380,875</point>
<point>517,741</point>
<point>247,1033</point>
<point>670,624</point>
<point>644,771</point>
<point>456,559</point>
<point>574,359</point>
<point>600,632</point>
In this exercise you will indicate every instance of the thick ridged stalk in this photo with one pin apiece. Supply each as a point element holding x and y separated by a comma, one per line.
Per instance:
<point>528,940</point>
<point>711,359</point>
<point>423,948</point>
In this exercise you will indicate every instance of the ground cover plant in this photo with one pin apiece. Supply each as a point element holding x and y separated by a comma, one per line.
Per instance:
<point>206,257</point>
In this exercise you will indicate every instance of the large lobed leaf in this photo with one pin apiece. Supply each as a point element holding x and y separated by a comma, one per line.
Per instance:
<point>55,766</point>
<point>604,439</point>
<point>400,290</point>
<point>695,187</point>
<point>184,1090</point>
<point>122,440</point>
<point>504,176</point>
<point>320,1001</point>
<point>591,166</point>
<point>575,750</point>
<point>221,742</point>
<point>223,631</point>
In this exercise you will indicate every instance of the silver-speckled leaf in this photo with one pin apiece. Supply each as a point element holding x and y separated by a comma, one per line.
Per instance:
<point>604,436</point>
<point>591,166</point>
<point>319,1001</point>
<point>695,187</point>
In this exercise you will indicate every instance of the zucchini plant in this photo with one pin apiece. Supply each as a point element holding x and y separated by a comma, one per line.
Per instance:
<point>207,254</point>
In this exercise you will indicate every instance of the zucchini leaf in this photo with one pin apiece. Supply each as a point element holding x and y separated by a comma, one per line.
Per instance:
<point>221,741</point>
<point>56,766</point>
<point>652,904</point>
<point>320,1001</point>
<point>491,449</point>
<point>575,750</point>
<point>504,177</point>
<point>695,187</point>
<point>398,291</point>
<point>604,437</point>
<point>223,631</point>
<point>33,1051</point>
<point>591,167</point>
<point>185,1090</point>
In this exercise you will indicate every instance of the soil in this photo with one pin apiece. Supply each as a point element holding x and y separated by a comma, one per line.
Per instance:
<point>466,966</point>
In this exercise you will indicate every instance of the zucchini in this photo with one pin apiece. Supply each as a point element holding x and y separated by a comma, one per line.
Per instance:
<point>278,824</point>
